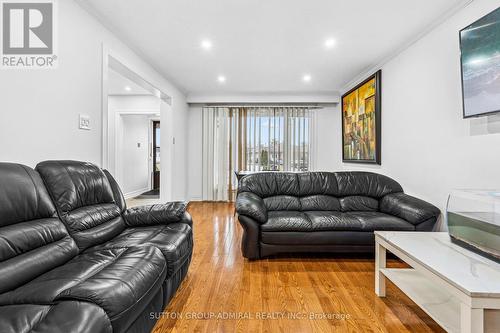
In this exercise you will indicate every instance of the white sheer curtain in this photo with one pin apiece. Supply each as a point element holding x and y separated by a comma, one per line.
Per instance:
<point>216,153</point>
<point>252,139</point>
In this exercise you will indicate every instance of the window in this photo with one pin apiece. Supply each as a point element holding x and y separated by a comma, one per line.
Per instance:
<point>275,139</point>
<point>253,139</point>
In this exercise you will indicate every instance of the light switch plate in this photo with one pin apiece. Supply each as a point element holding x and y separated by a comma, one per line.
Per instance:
<point>84,122</point>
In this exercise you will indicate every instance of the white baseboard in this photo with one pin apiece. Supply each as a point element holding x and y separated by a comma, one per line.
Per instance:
<point>135,193</point>
<point>195,198</point>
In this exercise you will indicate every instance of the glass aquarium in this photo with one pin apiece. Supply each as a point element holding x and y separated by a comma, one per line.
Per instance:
<point>473,218</point>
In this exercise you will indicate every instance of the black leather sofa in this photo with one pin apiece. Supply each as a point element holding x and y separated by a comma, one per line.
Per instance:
<point>324,212</point>
<point>74,259</point>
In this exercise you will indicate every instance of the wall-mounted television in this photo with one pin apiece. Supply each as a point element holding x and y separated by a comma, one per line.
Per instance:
<point>480,58</point>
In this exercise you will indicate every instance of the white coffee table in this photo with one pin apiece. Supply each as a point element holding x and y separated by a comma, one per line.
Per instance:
<point>459,289</point>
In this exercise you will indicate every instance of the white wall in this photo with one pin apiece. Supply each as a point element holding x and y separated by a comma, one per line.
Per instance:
<point>39,108</point>
<point>426,145</point>
<point>179,163</point>
<point>134,154</point>
<point>328,135</point>
<point>135,103</point>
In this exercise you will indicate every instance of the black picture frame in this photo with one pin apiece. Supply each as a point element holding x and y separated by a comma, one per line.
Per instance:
<point>484,114</point>
<point>378,120</point>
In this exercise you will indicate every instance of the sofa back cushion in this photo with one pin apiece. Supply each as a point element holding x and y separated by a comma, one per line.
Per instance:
<point>268,184</point>
<point>278,189</point>
<point>32,239</point>
<point>319,191</point>
<point>313,183</point>
<point>282,202</point>
<point>358,203</point>
<point>319,202</point>
<point>84,200</point>
<point>369,184</point>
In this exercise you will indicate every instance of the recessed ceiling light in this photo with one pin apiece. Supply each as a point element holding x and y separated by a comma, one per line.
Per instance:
<point>221,78</point>
<point>127,88</point>
<point>330,43</point>
<point>307,78</point>
<point>206,44</point>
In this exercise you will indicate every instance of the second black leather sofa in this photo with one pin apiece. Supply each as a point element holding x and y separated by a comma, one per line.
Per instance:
<point>324,211</point>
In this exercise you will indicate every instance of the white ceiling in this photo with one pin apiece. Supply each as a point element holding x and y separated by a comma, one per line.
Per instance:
<point>267,45</point>
<point>120,85</point>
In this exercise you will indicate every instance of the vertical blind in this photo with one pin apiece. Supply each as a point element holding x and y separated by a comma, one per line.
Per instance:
<point>252,139</point>
<point>275,139</point>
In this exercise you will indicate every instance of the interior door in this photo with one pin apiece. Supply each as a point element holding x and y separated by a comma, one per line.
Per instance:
<point>156,155</point>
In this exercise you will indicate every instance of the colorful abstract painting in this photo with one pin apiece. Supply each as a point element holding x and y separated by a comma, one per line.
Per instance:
<point>361,122</point>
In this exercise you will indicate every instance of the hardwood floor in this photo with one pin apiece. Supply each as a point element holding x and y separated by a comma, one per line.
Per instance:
<point>301,294</point>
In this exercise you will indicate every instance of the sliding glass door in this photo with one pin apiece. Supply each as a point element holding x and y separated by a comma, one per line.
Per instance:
<point>276,139</point>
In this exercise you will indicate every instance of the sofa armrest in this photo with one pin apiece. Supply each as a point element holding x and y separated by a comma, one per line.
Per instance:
<point>250,240</point>
<point>251,205</point>
<point>409,208</point>
<point>170,212</point>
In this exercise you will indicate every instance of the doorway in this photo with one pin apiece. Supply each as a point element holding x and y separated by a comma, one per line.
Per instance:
<point>133,100</point>
<point>156,157</point>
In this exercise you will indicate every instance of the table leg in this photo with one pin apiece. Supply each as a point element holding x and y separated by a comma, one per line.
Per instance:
<point>380,262</point>
<point>471,320</point>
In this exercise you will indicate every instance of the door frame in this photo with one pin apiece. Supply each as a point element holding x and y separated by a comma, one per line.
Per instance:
<point>154,145</point>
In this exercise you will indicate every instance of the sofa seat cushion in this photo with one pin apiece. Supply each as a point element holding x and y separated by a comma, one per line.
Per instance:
<point>372,221</point>
<point>356,221</point>
<point>287,221</point>
<point>63,317</point>
<point>309,221</point>
<point>174,240</point>
<point>121,281</point>
<point>333,221</point>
